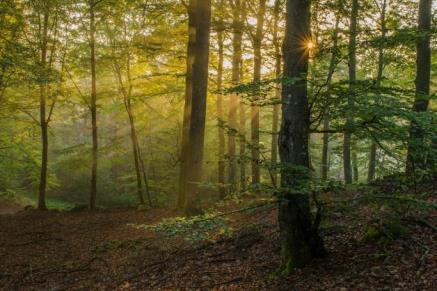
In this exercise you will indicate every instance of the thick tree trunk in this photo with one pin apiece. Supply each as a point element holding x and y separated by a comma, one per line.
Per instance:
<point>347,143</point>
<point>373,147</point>
<point>220,116</point>
<point>332,64</point>
<point>93,108</point>
<point>197,120</point>
<point>192,29</point>
<point>257,40</point>
<point>43,118</point>
<point>300,241</point>
<point>416,156</point>
<point>237,26</point>
<point>276,107</point>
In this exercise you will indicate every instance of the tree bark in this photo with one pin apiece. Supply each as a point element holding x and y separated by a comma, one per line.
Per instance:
<point>355,165</point>
<point>237,26</point>
<point>242,111</point>
<point>276,107</point>
<point>197,118</point>
<point>255,110</point>
<point>135,152</point>
<point>220,116</point>
<point>93,104</point>
<point>332,63</point>
<point>43,118</point>
<point>300,241</point>
<point>416,155</point>
<point>347,143</point>
<point>192,31</point>
<point>373,147</point>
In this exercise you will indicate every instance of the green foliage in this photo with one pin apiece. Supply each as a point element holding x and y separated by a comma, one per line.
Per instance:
<point>207,227</point>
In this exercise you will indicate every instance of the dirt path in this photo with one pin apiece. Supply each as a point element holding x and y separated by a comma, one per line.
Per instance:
<point>100,251</point>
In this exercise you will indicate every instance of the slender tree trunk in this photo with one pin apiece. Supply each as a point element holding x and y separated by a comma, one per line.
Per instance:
<point>257,40</point>
<point>332,64</point>
<point>197,120</point>
<point>242,112</point>
<point>135,153</point>
<point>276,107</point>
<point>325,147</point>
<point>43,118</point>
<point>416,156</point>
<point>347,143</point>
<point>220,116</point>
<point>237,25</point>
<point>300,241</point>
<point>143,170</point>
<point>192,29</point>
<point>93,108</point>
<point>242,136</point>
<point>373,147</point>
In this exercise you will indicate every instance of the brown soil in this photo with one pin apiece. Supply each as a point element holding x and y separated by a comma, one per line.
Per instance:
<point>100,251</point>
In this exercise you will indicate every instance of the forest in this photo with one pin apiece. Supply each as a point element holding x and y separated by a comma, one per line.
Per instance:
<point>218,145</point>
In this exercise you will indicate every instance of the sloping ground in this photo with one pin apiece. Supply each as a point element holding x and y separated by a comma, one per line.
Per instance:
<point>9,207</point>
<point>85,250</point>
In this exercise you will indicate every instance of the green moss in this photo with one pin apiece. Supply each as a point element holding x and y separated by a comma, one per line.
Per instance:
<point>387,230</point>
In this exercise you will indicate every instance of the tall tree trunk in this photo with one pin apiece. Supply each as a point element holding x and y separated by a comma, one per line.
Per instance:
<point>276,107</point>
<point>242,111</point>
<point>347,143</point>
<point>93,108</point>
<point>373,147</point>
<point>197,119</point>
<point>257,40</point>
<point>220,116</point>
<point>332,63</point>
<point>43,118</point>
<point>192,29</point>
<point>300,241</point>
<point>416,156</point>
<point>237,26</point>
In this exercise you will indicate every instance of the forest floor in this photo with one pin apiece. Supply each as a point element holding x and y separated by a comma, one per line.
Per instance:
<point>102,251</point>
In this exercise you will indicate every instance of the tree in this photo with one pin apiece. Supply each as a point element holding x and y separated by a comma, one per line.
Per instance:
<point>255,110</point>
<point>416,156</point>
<point>93,104</point>
<point>237,31</point>
<point>42,110</point>
<point>347,143</point>
<point>332,63</point>
<point>278,72</point>
<point>383,26</point>
<point>220,115</point>
<point>299,239</point>
<point>126,91</point>
<point>192,32</point>
<point>198,110</point>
